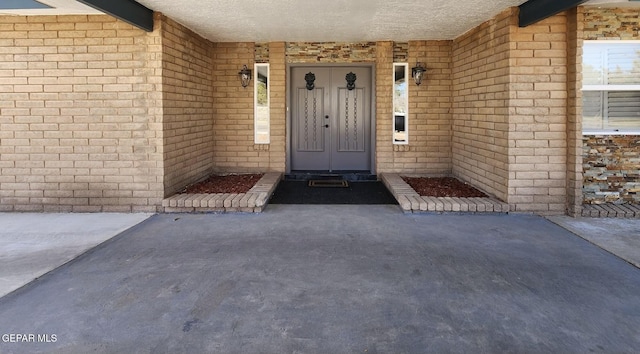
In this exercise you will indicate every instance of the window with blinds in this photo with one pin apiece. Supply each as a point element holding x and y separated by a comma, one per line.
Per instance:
<point>611,86</point>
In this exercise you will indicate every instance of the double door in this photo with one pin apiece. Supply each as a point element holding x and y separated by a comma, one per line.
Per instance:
<point>331,118</point>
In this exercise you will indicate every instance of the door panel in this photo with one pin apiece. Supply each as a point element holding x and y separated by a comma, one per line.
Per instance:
<point>331,123</point>
<point>310,127</point>
<point>351,133</point>
<point>351,125</point>
<point>310,138</point>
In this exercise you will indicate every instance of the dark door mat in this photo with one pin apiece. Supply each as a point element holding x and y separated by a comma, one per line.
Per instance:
<point>351,176</point>
<point>328,183</point>
<point>299,192</point>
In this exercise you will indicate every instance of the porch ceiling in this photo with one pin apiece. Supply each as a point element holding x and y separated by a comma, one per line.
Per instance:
<point>329,20</point>
<point>320,21</point>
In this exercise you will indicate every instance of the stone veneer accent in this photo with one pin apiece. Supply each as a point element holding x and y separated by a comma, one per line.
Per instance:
<point>611,23</point>
<point>611,169</point>
<point>400,52</point>
<point>330,52</point>
<point>261,52</point>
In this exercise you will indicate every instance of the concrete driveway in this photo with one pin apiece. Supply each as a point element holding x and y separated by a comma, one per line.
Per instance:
<point>332,279</point>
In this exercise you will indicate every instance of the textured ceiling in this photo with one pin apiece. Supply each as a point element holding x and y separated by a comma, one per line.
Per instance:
<point>320,20</point>
<point>329,20</point>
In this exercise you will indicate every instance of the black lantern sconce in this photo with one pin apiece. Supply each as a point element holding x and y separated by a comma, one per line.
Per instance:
<point>245,76</point>
<point>417,73</point>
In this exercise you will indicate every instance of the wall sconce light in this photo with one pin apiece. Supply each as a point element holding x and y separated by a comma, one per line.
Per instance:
<point>245,76</point>
<point>417,73</point>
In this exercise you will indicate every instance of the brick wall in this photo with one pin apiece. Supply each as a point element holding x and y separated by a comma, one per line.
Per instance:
<point>481,93</point>
<point>80,116</point>
<point>234,149</point>
<point>430,118</point>
<point>538,134</point>
<point>429,148</point>
<point>510,111</point>
<point>187,87</point>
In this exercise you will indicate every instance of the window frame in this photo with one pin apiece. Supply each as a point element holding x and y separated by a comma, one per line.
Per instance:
<point>406,104</point>
<point>257,129</point>
<point>609,88</point>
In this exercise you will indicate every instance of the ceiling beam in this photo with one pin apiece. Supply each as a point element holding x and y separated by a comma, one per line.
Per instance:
<point>533,11</point>
<point>126,10</point>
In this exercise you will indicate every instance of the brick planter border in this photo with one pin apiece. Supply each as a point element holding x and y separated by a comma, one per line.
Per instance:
<point>254,201</point>
<point>412,202</point>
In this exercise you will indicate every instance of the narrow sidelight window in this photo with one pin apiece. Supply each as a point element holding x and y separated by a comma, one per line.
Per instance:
<point>400,103</point>
<point>261,104</point>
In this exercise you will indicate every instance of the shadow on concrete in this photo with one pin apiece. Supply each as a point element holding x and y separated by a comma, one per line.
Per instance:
<point>299,192</point>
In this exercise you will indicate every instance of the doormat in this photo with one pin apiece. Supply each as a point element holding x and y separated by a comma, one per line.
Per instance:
<point>330,183</point>
<point>299,192</point>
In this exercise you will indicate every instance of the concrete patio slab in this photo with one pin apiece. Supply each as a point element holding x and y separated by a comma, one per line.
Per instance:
<point>339,278</point>
<point>32,244</point>
<point>618,236</point>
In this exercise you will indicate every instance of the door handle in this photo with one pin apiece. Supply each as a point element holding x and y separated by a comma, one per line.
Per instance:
<point>326,125</point>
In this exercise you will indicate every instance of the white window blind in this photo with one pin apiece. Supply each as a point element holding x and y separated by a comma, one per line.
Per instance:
<point>611,86</point>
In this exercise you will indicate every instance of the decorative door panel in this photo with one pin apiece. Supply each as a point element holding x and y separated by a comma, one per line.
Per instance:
<point>310,138</point>
<point>311,126</point>
<point>351,130</point>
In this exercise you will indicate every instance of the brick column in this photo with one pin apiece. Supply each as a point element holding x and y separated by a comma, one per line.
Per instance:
<point>538,117</point>
<point>384,107</point>
<point>277,86</point>
<point>575,28</point>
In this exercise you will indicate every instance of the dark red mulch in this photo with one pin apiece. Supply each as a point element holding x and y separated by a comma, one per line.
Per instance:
<point>224,184</point>
<point>442,187</point>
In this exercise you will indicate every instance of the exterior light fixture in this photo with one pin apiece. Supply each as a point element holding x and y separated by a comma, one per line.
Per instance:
<point>245,76</point>
<point>417,73</point>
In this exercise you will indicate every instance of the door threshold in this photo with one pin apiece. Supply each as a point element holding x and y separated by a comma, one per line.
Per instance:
<point>351,176</point>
